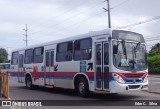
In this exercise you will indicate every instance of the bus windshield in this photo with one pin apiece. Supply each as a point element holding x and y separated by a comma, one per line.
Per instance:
<point>129,56</point>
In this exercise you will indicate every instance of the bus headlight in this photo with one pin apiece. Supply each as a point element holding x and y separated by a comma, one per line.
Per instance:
<point>145,79</point>
<point>118,78</point>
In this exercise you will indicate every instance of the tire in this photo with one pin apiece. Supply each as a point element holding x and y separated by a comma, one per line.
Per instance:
<point>29,84</point>
<point>82,87</point>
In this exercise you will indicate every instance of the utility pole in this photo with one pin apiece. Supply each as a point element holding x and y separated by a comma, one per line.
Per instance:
<point>26,35</point>
<point>108,10</point>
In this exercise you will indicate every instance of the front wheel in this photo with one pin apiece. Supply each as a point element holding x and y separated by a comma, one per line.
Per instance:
<point>82,87</point>
<point>29,84</point>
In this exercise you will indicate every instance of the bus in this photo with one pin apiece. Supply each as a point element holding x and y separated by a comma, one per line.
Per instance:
<point>5,66</point>
<point>106,61</point>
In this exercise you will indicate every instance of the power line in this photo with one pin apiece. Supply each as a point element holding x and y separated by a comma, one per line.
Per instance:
<point>42,30</point>
<point>65,28</point>
<point>77,14</point>
<point>64,13</point>
<point>156,36</point>
<point>152,39</point>
<point>139,23</point>
<point>120,4</point>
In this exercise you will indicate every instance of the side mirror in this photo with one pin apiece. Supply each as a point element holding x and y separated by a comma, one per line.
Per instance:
<point>115,49</point>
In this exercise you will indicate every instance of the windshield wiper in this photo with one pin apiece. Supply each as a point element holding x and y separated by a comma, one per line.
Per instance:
<point>136,48</point>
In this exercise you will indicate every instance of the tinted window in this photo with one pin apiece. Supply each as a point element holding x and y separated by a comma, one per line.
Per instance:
<point>20,61</point>
<point>98,54</point>
<point>7,66</point>
<point>14,58</point>
<point>64,51</point>
<point>106,54</point>
<point>47,58</point>
<point>2,67</point>
<point>52,58</point>
<point>83,49</point>
<point>28,56</point>
<point>38,55</point>
<point>127,35</point>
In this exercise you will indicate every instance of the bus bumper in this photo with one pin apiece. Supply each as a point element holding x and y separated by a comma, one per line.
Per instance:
<point>116,87</point>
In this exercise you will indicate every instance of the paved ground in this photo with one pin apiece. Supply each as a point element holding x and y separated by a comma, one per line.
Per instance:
<point>154,84</point>
<point>19,92</point>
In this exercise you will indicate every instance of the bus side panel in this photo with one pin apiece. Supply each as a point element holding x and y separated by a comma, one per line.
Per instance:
<point>66,71</point>
<point>38,74</point>
<point>14,72</point>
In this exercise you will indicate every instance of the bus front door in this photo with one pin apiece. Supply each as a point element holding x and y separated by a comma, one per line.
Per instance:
<point>49,67</point>
<point>102,66</point>
<point>20,69</point>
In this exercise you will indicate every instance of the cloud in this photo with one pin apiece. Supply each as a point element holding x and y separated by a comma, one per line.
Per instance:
<point>53,19</point>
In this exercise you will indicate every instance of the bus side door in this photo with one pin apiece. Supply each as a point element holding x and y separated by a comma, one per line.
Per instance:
<point>102,66</point>
<point>20,68</point>
<point>49,67</point>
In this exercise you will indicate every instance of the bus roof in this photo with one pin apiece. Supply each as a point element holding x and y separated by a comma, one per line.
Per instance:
<point>90,34</point>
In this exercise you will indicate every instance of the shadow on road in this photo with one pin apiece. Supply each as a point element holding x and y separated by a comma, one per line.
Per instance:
<point>69,92</point>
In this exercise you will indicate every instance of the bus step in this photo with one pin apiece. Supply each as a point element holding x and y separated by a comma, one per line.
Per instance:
<point>49,86</point>
<point>102,91</point>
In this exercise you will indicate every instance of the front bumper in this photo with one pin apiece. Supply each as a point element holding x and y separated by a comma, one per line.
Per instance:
<point>116,87</point>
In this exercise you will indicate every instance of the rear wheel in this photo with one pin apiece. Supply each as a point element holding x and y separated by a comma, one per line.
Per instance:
<point>29,84</point>
<point>82,87</point>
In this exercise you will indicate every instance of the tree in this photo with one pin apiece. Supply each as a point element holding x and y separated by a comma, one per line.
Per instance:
<point>154,59</point>
<point>154,50</point>
<point>3,55</point>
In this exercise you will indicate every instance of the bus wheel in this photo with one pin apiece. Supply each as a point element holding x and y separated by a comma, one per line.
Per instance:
<point>29,84</point>
<point>82,87</point>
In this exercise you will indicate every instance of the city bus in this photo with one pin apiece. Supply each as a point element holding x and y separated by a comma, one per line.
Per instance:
<point>106,61</point>
<point>5,66</point>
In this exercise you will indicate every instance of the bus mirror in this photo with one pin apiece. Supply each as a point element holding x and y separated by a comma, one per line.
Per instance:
<point>115,49</point>
<point>109,38</point>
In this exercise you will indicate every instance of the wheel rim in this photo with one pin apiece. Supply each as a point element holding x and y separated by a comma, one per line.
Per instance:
<point>28,82</point>
<point>81,87</point>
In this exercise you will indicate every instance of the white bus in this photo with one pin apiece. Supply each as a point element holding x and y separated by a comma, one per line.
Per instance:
<point>107,61</point>
<point>5,66</point>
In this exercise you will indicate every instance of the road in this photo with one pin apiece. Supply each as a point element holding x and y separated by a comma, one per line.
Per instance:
<point>18,91</point>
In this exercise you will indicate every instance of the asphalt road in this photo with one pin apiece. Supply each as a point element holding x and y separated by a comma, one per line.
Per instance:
<point>18,91</point>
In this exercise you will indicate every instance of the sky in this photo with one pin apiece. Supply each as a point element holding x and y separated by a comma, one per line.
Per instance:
<point>55,19</point>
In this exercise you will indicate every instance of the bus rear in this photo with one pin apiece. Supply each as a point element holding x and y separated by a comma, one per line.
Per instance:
<point>128,69</point>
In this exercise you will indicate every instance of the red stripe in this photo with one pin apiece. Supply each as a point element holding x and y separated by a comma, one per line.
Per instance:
<point>132,74</point>
<point>90,74</point>
<point>64,73</point>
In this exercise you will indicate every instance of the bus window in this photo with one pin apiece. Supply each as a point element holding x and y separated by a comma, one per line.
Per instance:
<point>52,58</point>
<point>47,59</point>
<point>83,49</point>
<point>28,56</point>
<point>7,66</point>
<point>2,67</point>
<point>14,58</point>
<point>64,52</point>
<point>106,54</point>
<point>38,55</point>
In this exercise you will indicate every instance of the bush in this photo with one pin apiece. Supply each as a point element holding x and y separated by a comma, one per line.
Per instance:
<point>154,63</point>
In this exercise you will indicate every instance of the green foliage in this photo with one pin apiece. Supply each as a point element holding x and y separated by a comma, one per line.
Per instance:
<point>154,62</point>
<point>154,59</point>
<point>154,50</point>
<point>3,55</point>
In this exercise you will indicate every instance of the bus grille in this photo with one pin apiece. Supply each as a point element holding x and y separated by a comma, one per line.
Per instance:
<point>134,86</point>
<point>133,75</point>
